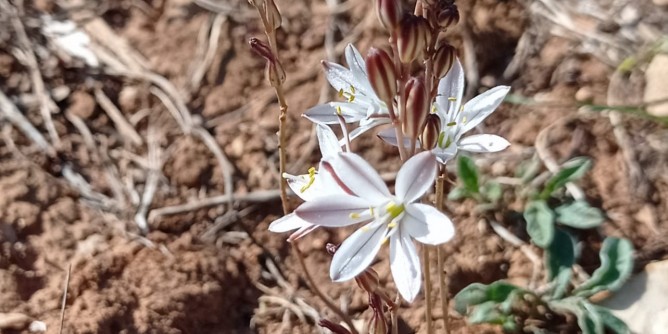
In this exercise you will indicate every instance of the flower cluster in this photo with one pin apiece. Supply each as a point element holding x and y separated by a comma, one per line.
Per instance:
<point>424,116</point>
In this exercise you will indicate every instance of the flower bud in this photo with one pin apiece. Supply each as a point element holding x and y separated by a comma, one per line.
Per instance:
<point>413,34</point>
<point>383,79</point>
<point>389,13</point>
<point>447,15</point>
<point>443,59</point>
<point>368,280</point>
<point>273,15</point>
<point>378,322</point>
<point>261,48</point>
<point>431,131</point>
<point>416,107</point>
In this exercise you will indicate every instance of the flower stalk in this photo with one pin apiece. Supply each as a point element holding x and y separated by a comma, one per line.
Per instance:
<point>439,255</point>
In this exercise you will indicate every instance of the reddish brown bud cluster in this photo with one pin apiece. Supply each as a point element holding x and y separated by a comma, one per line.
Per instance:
<point>431,131</point>
<point>383,79</point>
<point>413,36</point>
<point>389,13</point>
<point>416,111</point>
<point>443,59</point>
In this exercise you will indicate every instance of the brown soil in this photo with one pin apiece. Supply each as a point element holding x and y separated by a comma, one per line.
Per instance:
<point>185,277</point>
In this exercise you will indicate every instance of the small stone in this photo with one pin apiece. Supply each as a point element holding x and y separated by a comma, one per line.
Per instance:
<point>584,94</point>
<point>82,104</point>
<point>656,78</point>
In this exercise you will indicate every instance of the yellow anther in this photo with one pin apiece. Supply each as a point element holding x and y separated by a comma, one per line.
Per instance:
<point>311,179</point>
<point>371,210</point>
<point>452,124</point>
<point>452,99</point>
<point>464,120</point>
<point>394,210</point>
<point>338,110</point>
<point>392,224</point>
<point>433,108</point>
<point>385,240</point>
<point>365,228</point>
<point>351,98</point>
<point>354,215</point>
<point>441,137</point>
<point>341,92</point>
<point>352,89</point>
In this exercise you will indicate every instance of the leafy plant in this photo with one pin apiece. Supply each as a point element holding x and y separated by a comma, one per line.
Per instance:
<point>516,308</point>
<point>473,185</point>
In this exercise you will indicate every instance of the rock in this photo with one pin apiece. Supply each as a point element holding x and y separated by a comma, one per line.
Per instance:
<point>656,78</point>
<point>16,321</point>
<point>584,94</point>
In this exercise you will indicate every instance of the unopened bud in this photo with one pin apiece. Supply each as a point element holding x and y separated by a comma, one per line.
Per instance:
<point>447,15</point>
<point>378,322</point>
<point>431,131</point>
<point>273,15</point>
<point>383,79</point>
<point>443,59</point>
<point>331,248</point>
<point>368,280</point>
<point>335,328</point>
<point>412,37</point>
<point>389,13</point>
<point>416,107</point>
<point>261,48</point>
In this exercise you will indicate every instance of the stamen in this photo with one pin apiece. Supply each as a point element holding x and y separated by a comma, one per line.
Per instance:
<point>452,124</point>
<point>365,228</point>
<point>385,240</point>
<point>354,215</point>
<point>464,120</point>
<point>394,210</point>
<point>433,109</point>
<point>352,89</point>
<point>311,179</point>
<point>441,137</point>
<point>452,99</point>
<point>341,93</point>
<point>392,224</point>
<point>338,110</point>
<point>351,98</point>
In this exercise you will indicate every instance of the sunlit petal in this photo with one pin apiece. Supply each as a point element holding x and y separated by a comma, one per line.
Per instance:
<point>427,225</point>
<point>450,92</point>
<point>483,143</point>
<point>288,223</point>
<point>415,177</point>
<point>358,176</point>
<point>405,266</point>
<point>357,252</point>
<point>481,106</point>
<point>329,113</point>
<point>333,210</point>
<point>329,144</point>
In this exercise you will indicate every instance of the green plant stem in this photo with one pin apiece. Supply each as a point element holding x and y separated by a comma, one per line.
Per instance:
<point>314,287</point>
<point>427,289</point>
<point>439,255</point>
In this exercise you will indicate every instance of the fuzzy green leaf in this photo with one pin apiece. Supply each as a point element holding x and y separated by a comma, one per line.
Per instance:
<point>468,173</point>
<point>559,258</point>
<point>478,293</point>
<point>616,265</point>
<point>540,223</point>
<point>570,171</point>
<point>579,215</point>
<point>611,322</point>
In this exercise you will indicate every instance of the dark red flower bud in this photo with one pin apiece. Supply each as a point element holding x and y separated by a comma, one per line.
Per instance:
<point>443,59</point>
<point>261,48</point>
<point>447,15</point>
<point>416,107</point>
<point>412,37</point>
<point>431,131</point>
<point>389,13</point>
<point>383,79</point>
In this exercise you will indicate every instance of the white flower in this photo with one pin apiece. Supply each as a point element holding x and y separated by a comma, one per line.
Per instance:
<point>386,217</point>
<point>310,186</point>
<point>457,120</point>
<point>362,104</point>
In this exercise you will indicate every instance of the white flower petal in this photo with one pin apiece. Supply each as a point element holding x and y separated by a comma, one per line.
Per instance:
<point>288,223</point>
<point>405,266</point>
<point>415,177</point>
<point>298,184</point>
<point>357,252</point>
<point>427,225</point>
<point>327,113</point>
<point>389,136</point>
<point>366,127</point>
<point>342,78</point>
<point>358,68</point>
<point>451,86</point>
<point>329,144</point>
<point>443,155</point>
<point>483,143</point>
<point>481,106</point>
<point>333,210</point>
<point>356,174</point>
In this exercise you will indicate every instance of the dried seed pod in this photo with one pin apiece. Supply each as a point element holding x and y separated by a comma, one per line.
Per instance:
<point>383,79</point>
<point>430,133</point>
<point>412,37</point>
<point>273,14</point>
<point>389,13</point>
<point>416,107</point>
<point>443,59</point>
<point>447,14</point>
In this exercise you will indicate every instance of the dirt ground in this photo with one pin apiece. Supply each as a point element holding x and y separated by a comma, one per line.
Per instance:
<point>79,203</point>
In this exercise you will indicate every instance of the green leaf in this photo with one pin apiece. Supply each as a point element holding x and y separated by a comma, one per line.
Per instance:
<point>559,258</point>
<point>486,312</point>
<point>611,322</point>
<point>540,223</point>
<point>570,171</point>
<point>458,193</point>
<point>616,265</point>
<point>492,191</point>
<point>589,320</point>
<point>579,215</point>
<point>478,293</point>
<point>468,172</point>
